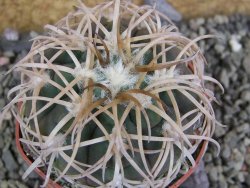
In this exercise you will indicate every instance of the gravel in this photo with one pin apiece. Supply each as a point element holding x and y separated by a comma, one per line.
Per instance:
<point>228,61</point>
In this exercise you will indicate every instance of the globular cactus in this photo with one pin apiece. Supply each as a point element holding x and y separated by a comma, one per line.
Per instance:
<point>113,96</point>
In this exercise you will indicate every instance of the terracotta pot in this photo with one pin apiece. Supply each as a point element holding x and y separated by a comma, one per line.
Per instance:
<point>52,184</point>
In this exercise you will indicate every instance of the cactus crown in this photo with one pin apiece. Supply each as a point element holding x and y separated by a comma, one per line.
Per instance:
<point>113,96</point>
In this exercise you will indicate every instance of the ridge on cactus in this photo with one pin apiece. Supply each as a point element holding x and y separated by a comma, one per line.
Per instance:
<point>113,96</point>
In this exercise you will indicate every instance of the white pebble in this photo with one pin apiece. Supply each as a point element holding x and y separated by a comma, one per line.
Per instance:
<point>235,44</point>
<point>11,34</point>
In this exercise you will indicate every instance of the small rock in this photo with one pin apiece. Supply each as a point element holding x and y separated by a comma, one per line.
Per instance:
<point>200,21</point>
<point>243,128</point>
<point>11,34</point>
<point>247,159</point>
<point>243,115</point>
<point>202,31</point>
<point>222,182</point>
<point>4,61</point>
<point>219,19</point>
<point>224,78</point>
<point>219,48</point>
<point>9,54</point>
<point>1,144</point>
<point>231,138</point>
<point>33,34</point>
<point>2,103</point>
<point>219,131</point>
<point>248,180</point>
<point>247,143</point>
<point>235,44</point>
<point>226,151</point>
<point>213,174</point>
<point>240,177</point>
<point>245,95</point>
<point>1,89</point>
<point>6,80</point>
<point>246,63</point>
<point>237,160</point>
<point>9,161</point>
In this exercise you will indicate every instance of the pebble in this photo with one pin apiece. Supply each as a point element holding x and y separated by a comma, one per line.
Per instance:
<point>245,95</point>
<point>11,34</point>
<point>12,184</point>
<point>1,144</point>
<point>247,159</point>
<point>219,19</point>
<point>226,152</point>
<point>246,64</point>
<point>2,103</point>
<point>213,174</point>
<point>224,78</point>
<point>235,44</point>
<point>219,48</point>
<point>9,161</point>
<point>4,61</point>
<point>241,177</point>
<point>248,180</point>
<point>219,132</point>
<point>1,89</point>
<point>245,128</point>
<point>9,54</point>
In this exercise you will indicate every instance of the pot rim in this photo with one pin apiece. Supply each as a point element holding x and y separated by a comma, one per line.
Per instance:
<point>53,184</point>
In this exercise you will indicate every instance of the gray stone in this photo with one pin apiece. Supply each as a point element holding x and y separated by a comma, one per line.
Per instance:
<point>248,109</point>
<point>6,80</point>
<point>226,151</point>
<point>238,160</point>
<point>1,90</point>
<point>224,78</point>
<point>244,128</point>
<point>1,141</point>
<point>235,44</point>
<point>8,54</point>
<point>246,64</point>
<point>245,95</point>
<point>9,161</point>
<point>2,103</point>
<point>219,48</point>
<point>248,180</point>
<point>247,159</point>
<point>231,139</point>
<point>219,19</point>
<point>243,115</point>
<point>240,177</point>
<point>220,131</point>
<point>213,174</point>
<point>202,31</point>
<point>222,184</point>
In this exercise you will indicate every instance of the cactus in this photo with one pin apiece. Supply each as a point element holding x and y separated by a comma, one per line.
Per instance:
<point>113,96</point>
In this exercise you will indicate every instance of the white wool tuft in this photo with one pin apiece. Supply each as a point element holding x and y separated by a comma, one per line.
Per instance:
<point>37,81</point>
<point>117,77</point>
<point>50,145</point>
<point>169,131</point>
<point>84,73</point>
<point>144,100</point>
<point>163,74</point>
<point>74,108</point>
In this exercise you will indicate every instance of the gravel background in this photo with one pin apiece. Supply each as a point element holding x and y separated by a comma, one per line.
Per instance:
<point>228,61</point>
